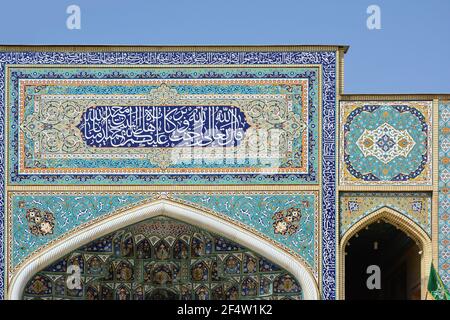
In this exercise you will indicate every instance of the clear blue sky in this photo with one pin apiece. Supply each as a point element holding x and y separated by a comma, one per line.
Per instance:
<point>410,54</point>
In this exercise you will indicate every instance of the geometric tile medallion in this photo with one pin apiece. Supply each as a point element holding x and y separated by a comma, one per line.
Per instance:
<point>385,143</point>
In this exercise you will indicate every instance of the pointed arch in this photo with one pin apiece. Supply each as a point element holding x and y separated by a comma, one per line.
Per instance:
<point>403,223</point>
<point>175,210</point>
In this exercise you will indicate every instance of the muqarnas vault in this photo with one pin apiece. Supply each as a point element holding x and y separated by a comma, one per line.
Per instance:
<point>223,173</point>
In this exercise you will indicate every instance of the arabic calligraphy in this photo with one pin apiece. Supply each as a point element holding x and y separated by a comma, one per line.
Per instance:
<point>163,126</point>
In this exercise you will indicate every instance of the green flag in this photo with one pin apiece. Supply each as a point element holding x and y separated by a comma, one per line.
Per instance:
<point>436,287</point>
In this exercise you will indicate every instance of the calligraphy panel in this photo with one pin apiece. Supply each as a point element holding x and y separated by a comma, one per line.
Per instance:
<point>163,125</point>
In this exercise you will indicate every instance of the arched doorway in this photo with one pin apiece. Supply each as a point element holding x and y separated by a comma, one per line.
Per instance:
<point>207,221</point>
<point>384,257</point>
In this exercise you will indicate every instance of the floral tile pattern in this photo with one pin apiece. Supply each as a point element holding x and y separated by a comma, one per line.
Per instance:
<point>356,205</point>
<point>444,188</point>
<point>253,210</point>
<point>386,143</point>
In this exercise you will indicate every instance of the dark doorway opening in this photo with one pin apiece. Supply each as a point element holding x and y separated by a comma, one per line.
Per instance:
<point>398,257</point>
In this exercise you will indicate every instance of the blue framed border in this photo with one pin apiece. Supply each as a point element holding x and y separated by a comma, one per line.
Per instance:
<point>328,60</point>
<point>16,178</point>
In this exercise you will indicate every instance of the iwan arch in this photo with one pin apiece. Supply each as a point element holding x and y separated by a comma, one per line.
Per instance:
<point>171,209</point>
<point>91,188</point>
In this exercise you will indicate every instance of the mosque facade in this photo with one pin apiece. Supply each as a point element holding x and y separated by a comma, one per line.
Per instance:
<point>197,173</point>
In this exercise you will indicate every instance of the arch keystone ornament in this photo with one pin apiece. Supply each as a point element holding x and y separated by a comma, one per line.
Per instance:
<point>171,209</point>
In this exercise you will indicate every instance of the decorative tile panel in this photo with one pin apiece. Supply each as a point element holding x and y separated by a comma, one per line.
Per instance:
<point>385,143</point>
<point>152,125</point>
<point>73,211</point>
<point>444,195</point>
<point>354,206</point>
